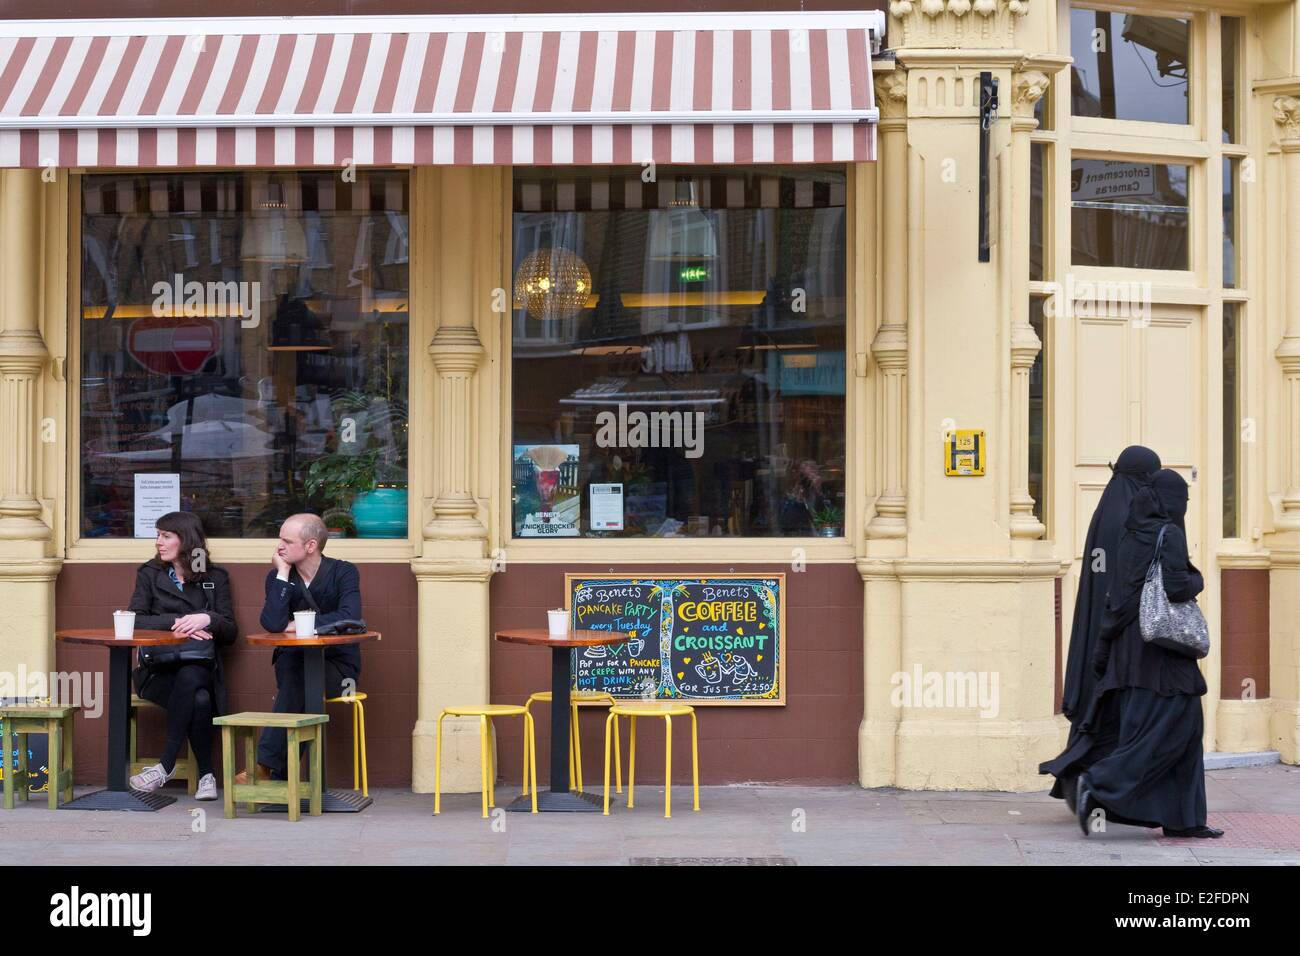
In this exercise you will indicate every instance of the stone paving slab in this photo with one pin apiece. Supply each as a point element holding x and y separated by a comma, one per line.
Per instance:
<point>1259,807</point>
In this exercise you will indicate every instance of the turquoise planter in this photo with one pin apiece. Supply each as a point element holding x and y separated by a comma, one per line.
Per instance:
<point>380,513</point>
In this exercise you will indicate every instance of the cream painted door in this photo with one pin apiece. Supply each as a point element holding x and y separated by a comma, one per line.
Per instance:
<point>1138,383</point>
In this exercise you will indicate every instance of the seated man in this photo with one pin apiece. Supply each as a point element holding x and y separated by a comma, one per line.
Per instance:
<point>335,592</point>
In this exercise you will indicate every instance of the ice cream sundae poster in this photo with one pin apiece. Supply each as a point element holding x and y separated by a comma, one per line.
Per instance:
<point>719,639</point>
<point>547,502</point>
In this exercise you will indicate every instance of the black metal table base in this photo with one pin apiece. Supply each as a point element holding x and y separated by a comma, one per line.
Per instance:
<point>548,800</point>
<point>120,800</point>
<point>331,801</point>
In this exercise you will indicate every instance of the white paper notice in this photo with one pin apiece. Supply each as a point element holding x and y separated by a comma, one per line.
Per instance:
<point>606,507</point>
<point>155,495</point>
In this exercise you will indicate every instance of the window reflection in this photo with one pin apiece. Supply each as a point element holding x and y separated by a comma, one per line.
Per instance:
<point>1231,419</point>
<point>1128,213</point>
<point>1228,34</point>
<point>1230,168</point>
<point>696,386</point>
<point>1128,67</point>
<point>248,333</point>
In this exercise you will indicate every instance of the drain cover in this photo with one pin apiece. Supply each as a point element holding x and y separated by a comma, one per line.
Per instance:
<point>712,861</point>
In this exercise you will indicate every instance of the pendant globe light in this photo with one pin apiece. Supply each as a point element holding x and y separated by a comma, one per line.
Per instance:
<point>683,232</point>
<point>552,283</point>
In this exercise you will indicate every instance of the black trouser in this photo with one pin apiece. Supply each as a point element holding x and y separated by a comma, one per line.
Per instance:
<point>189,714</point>
<point>290,698</point>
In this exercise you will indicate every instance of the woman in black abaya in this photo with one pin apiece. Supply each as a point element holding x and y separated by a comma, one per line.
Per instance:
<point>1155,776</point>
<point>1134,468</point>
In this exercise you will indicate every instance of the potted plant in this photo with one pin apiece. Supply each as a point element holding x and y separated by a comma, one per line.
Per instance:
<point>829,522</point>
<point>374,490</point>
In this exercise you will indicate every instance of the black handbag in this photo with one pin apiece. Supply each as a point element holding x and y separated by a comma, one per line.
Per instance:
<point>193,651</point>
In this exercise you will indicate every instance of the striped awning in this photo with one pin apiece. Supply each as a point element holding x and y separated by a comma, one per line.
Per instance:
<point>507,90</point>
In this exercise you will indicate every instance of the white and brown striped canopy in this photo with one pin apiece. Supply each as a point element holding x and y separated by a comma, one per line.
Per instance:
<point>542,90</point>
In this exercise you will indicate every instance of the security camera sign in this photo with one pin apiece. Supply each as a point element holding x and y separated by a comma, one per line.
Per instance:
<point>1100,179</point>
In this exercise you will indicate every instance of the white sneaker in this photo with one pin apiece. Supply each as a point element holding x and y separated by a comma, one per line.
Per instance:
<point>151,778</point>
<point>207,789</point>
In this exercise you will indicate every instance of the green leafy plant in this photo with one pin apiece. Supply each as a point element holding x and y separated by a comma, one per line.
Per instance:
<point>339,478</point>
<point>829,517</point>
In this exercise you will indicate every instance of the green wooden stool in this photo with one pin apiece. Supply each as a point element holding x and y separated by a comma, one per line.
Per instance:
<point>56,723</point>
<point>300,729</point>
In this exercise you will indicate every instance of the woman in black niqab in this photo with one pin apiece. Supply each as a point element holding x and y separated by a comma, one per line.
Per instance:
<point>1132,471</point>
<point>1155,773</point>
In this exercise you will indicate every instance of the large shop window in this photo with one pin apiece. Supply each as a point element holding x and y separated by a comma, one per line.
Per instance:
<point>1129,67</point>
<point>679,352</point>
<point>1129,214</point>
<point>244,351</point>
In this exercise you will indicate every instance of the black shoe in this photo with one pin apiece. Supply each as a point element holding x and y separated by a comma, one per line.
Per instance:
<point>1085,804</point>
<point>1205,833</point>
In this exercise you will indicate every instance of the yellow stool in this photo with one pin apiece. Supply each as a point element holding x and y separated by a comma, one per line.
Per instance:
<point>485,713</point>
<point>577,699</point>
<point>187,768</point>
<point>667,712</point>
<point>55,722</point>
<point>358,739</point>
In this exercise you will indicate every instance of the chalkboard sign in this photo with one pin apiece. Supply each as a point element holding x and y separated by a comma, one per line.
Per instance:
<point>37,751</point>
<point>719,639</point>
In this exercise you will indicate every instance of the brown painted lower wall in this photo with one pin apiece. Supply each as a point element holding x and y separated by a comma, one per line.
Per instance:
<point>1244,627</point>
<point>812,739</point>
<point>87,594</point>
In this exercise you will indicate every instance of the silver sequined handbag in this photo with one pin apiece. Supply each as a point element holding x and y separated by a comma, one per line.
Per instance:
<point>1177,626</point>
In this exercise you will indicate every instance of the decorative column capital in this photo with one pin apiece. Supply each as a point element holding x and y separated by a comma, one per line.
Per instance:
<point>1288,354</point>
<point>1286,113</point>
<point>1027,89</point>
<point>891,95</point>
<point>456,349</point>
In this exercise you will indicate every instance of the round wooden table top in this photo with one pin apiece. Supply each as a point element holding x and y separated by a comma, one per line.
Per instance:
<point>104,636</point>
<point>286,639</point>
<point>542,635</point>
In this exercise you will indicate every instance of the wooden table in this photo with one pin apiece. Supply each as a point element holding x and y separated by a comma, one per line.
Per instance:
<point>118,795</point>
<point>559,796</point>
<point>313,648</point>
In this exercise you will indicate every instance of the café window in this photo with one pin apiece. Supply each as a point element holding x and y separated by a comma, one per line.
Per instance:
<point>678,363</point>
<point>244,351</point>
<point>1129,67</point>
<point>1129,214</point>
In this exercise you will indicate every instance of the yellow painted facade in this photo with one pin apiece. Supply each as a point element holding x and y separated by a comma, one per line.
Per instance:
<point>957,573</point>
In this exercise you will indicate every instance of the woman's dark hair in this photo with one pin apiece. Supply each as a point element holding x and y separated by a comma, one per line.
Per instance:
<point>194,553</point>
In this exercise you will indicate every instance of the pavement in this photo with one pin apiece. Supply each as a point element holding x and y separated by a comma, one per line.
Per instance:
<point>1258,806</point>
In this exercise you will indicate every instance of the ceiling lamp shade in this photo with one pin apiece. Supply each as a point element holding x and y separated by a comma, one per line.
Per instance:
<point>683,232</point>
<point>296,328</point>
<point>552,283</point>
<point>273,236</point>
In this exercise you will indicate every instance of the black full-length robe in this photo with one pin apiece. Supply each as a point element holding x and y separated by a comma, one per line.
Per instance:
<point>1133,469</point>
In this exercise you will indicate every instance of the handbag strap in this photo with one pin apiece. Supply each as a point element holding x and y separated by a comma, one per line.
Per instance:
<point>1160,543</point>
<point>306,591</point>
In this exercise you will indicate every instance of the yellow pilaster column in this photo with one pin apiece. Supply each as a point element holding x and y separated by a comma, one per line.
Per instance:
<point>27,570</point>
<point>456,242</point>
<point>1284,545</point>
<point>877,734</point>
<point>1027,89</point>
<point>959,607</point>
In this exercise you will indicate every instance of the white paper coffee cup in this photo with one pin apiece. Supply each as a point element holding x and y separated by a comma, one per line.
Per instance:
<point>559,622</point>
<point>304,623</point>
<point>124,624</point>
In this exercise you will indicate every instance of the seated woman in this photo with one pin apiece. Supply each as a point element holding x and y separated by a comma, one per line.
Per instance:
<point>179,590</point>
